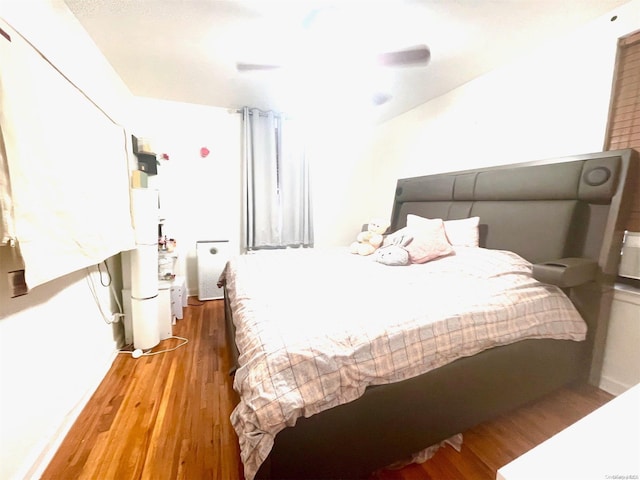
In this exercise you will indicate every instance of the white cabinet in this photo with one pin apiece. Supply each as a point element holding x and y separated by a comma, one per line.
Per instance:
<point>621,363</point>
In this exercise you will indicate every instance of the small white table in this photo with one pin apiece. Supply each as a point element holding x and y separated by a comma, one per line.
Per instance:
<point>603,445</point>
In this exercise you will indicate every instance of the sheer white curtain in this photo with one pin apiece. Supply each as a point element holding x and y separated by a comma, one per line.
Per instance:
<point>277,197</point>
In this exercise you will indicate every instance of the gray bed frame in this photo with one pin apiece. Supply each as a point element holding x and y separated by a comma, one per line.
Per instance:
<point>564,215</point>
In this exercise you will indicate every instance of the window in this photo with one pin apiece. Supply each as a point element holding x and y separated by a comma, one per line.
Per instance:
<point>623,129</point>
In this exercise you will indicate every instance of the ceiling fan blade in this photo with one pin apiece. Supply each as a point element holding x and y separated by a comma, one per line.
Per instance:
<point>380,98</point>
<point>244,67</point>
<point>418,55</point>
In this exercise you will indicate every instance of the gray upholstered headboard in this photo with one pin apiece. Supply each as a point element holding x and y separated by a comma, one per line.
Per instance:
<point>541,210</point>
<point>545,210</point>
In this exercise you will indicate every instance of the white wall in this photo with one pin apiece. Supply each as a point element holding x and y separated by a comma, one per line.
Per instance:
<point>342,181</point>
<point>200,197</point>
<point>552,102</point>
<point>55,347</point>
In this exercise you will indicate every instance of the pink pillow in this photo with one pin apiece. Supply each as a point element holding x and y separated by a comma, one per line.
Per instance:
<point>429,240</point>
<point>460,233</point>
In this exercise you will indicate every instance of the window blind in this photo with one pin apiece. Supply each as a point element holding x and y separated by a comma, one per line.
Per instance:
<point>623,130</point>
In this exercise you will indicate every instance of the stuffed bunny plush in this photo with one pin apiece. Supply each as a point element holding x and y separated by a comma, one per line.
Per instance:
<point>392,255</point>
<point>395,254</point>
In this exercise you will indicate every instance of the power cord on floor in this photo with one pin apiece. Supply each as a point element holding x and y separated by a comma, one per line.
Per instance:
<point>137,353</point>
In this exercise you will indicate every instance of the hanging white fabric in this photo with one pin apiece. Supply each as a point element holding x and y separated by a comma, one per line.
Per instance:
<point>7,231</point>
<point>64,171</point>
<point>277,197</point>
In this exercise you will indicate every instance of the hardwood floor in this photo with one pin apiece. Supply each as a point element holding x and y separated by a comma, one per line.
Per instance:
<point>166,416</point>
<point>160,417</point>
<point>493,444</point>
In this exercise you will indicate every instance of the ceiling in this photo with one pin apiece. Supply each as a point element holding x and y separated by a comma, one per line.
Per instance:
<point>186,50</point>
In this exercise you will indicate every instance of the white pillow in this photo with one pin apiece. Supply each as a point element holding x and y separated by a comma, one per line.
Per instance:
<point>460,233</point>
<point>463,232</point>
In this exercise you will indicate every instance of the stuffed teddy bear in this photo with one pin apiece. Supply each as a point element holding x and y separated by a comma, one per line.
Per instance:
<point>370,240</point>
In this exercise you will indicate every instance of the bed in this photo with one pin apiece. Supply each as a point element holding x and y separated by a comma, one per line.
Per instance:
<point>442,351</point>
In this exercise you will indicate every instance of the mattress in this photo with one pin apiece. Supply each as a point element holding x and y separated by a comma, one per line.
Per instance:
<point>316,327</point>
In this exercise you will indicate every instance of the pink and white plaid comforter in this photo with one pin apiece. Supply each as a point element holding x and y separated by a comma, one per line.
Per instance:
<point>315,327</point>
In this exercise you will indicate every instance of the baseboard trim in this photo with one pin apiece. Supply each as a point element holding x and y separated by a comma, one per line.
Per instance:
<point>42,454</point>
<point>614,387</point>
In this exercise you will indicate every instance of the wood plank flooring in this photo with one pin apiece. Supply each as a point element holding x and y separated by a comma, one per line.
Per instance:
<point>166,416</point>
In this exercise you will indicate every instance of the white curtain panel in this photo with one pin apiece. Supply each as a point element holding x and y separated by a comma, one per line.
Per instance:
<point>295,186</point>
<point>276,182</point>
<point>261,176</point>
